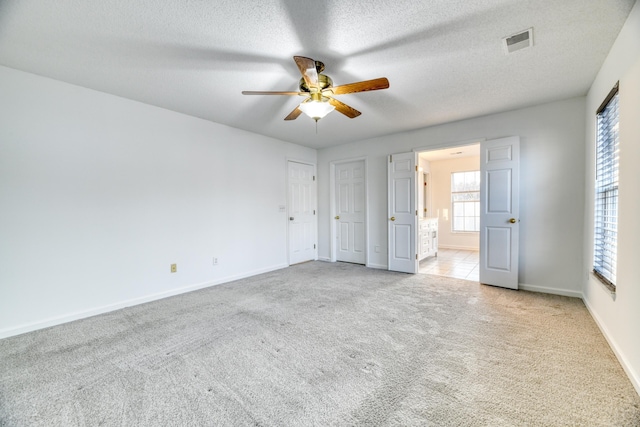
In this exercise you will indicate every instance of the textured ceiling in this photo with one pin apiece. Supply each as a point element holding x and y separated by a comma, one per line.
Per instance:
<point>443,58</point>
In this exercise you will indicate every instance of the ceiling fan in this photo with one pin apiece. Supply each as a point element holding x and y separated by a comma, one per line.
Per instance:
<point>319,91</point>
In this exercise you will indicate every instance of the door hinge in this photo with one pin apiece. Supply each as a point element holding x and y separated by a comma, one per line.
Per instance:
<point>416,256</point>
<point>314,177</point>
<point>416,168</point>
<point>391,159</point>
<point>416,212</point>
<point>314,246</point>
<point>314,211</point>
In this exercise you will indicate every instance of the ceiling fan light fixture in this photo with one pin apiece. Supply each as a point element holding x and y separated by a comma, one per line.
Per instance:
<point>316,109</point>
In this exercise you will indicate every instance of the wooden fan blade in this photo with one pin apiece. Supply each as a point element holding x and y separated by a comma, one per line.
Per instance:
<point>307,67</point>
<point>344,108</point>
<point>294,114</point>
<point>375,84</point>
<point>255,92</point>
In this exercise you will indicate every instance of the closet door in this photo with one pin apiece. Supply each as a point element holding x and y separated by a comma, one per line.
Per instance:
<point>350,211</point>
<point>302,212</point>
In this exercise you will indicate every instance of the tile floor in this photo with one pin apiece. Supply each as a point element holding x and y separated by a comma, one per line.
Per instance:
<point>452,263</point>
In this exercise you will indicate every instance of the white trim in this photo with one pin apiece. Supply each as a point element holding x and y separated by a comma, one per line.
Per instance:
<point>459,248</point>
<point>634,377</point>
<point>450,144</point>
<point>324,259</point>
<point>552,291</point>
<point>58,320</point>
<point>332,211</point>
<point>297,160</point>
<point>332,206</point>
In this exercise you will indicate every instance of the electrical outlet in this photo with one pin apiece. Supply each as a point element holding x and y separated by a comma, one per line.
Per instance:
<point>215,261</point>
<point>174,268</point>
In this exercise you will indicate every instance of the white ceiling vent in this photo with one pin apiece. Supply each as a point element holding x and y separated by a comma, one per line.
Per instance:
<point>521,40</point>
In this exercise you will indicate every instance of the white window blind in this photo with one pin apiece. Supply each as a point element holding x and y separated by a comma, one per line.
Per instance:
<point>606,191</point>
<point>465,201</point>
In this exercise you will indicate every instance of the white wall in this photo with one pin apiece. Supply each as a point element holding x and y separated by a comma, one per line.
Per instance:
<point>99,195</point>
<point>619,315</point>
<point>552,186</point>
<point>441,171</point>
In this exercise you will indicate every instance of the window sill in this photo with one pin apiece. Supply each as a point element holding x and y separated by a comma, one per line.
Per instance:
<point>604,282</point>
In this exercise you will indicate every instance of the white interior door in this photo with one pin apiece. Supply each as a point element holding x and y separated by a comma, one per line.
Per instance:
<point>499,215</point>
<point>402,212</point>
<point>350,211</point>
<point>302,212</point>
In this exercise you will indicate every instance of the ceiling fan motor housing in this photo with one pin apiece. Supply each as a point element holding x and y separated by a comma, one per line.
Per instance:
<point>324,82</point>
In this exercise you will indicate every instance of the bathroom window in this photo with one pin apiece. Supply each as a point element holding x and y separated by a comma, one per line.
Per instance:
<point>465,201</point>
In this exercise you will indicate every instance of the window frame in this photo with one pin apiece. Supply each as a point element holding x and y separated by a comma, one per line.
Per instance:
<point>452,192</point>
<point>606,201</point>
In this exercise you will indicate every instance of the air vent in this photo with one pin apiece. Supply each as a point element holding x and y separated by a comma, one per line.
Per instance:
<point>519,41</point>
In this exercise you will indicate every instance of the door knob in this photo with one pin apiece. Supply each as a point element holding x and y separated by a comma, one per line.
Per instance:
<point>337,217</point>
<point>290,218</point>
<point>393,218</point>
<point>513,221</point>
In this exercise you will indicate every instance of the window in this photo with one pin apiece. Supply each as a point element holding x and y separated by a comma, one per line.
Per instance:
<point>465,201</point>
<point>606,191</point>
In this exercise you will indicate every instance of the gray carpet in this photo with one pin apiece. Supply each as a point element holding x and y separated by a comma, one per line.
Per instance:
<point>322,344</point>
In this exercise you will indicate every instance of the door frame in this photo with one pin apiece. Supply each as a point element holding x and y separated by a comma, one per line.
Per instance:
<point>452,144</point>
<point>287,207</point>
<point>470,142</point>
<point>332,206</point>
<point>445,145</point>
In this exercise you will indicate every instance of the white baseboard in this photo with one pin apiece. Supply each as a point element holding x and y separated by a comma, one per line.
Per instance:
<point>459,248</point>
<point>65,318</point>
<point>634,377</point>
<point>378,266</point>
<point>553,291</point>
<point>324,259</point>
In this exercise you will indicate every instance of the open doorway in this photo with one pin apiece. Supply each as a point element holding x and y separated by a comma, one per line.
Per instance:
<point>449,212</point>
